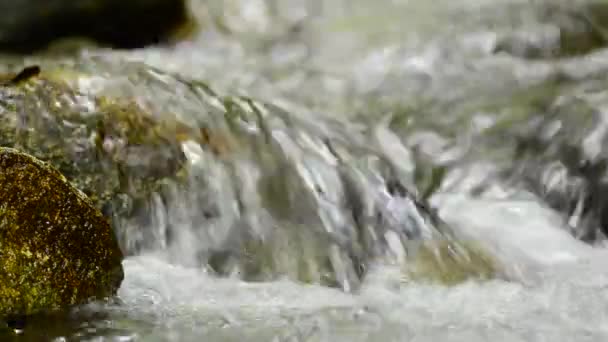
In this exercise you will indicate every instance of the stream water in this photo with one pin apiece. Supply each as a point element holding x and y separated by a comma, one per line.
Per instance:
<point>389,76</point>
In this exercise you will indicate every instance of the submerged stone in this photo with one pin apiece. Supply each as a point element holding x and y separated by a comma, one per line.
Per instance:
<point>296,253</point>
<point>227,183</point>
<point>451,262</point>
<point>561,158</point>
<point>56,249</point>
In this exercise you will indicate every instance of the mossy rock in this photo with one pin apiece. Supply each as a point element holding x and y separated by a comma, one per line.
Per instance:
<point>450,263</point>
<point>123,138</point>
<point>56,249</point>
<point>111,149</point>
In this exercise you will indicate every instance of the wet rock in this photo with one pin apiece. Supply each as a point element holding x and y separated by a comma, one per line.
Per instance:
<point>33,24</point>
<point>561,159</point>
<point>297,253</point>
<point>328,209</point>
<point>112,150</point>
<point>547,140</point>
<point>57,249</point>
<point>227,183</point>
<point>544,140</point>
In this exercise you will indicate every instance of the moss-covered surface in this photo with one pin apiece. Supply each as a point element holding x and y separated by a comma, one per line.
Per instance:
<point>120,140</point>
<point>450,263</point>
<point>111,149</point>
<point>56,249</point>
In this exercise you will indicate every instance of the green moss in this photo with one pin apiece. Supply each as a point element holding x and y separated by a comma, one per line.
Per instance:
<point>112,150</point>
<point>56,249</point>
<point>451,263</point>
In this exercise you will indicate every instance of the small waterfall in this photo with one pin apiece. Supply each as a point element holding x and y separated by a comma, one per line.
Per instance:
<point>267,194</point>
<point>236,186</point>
<point>228,184</point>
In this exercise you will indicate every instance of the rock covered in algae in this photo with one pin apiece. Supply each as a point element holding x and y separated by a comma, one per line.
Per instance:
<point>56,249</point>
<point>111,149</point>
<point>451,262</point>
<point>227,183</point>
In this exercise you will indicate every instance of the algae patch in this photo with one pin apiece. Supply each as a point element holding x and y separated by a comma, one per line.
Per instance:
<point>56,249</point>
<point>451,263</point>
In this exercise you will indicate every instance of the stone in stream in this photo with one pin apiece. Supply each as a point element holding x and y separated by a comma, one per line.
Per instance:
<point>33,24</point>
<point>112,150</point>
<point>237,186</point>
<point>56,249</point>
<point>549,140</point>
<point>450,263</point>
<point>561,156</point>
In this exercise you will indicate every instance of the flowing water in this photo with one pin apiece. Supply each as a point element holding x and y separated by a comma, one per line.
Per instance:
<point>364,94</point>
